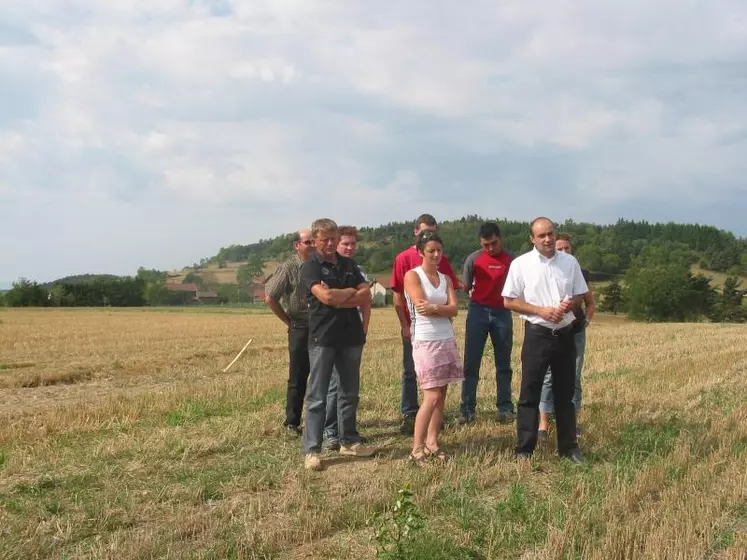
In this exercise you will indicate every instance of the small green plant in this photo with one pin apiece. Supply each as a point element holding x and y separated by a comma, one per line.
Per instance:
<point>395,528</point>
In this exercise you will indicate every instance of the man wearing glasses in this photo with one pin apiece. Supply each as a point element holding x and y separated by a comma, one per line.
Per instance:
<point>285,284</point>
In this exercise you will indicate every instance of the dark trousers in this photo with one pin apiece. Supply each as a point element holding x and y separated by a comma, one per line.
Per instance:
<point>409,400</point>
<point>542,350</point>
<point>298,372</point>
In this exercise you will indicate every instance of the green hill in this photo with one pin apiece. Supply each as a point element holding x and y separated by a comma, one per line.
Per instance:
<point>81,279</point>
<point>606,250</point>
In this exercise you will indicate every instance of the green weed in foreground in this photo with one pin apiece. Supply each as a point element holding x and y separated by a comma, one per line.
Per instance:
<point>396,528</point>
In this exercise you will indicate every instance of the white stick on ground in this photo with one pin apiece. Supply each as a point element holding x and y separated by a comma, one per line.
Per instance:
<point>238,356</point>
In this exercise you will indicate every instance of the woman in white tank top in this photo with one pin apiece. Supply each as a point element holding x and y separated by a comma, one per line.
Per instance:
<point>432,300</point>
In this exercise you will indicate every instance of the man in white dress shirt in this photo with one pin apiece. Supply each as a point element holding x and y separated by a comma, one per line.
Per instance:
<point>544,286</point>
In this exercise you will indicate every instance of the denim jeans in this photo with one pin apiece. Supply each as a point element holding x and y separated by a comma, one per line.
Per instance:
<point>481,322</point>
<point>324,360</point>
<point>331,431</point>
<point>547,401</point>
<point>409,400</point>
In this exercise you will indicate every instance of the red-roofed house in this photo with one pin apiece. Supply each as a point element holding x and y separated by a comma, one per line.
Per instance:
<point>175,287</point>
<point>192,293</point>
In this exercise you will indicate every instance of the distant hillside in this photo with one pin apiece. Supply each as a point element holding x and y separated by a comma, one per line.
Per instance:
<point>81,279</point>
<point>606,250</point>
<point>211,273</point>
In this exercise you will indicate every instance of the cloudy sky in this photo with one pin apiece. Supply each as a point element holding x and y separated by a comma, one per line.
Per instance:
<point>153,132</point>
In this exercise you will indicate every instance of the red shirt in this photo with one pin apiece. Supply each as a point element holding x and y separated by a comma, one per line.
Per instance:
<point>485,276</point>
<point>409,259</point>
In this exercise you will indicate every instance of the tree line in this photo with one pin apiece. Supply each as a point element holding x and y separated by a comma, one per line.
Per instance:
<point>606,250</point>
<point>649,266</point>
<point>114,291</point>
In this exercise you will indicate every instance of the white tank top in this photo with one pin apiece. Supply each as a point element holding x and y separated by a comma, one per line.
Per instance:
<point>431,327</point>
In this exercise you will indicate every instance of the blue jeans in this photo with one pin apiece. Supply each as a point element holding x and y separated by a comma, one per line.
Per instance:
<point>409,400</point>
<point>346,361</point>
<point>331,431</point>
<point>481,322</point>
<point>547,402</point>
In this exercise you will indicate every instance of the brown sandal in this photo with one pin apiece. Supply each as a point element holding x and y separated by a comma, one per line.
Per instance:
<point>419,455</point>
<point>437,453</point>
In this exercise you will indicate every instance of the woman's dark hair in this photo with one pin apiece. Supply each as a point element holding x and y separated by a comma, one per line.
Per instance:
<point>425,237</point>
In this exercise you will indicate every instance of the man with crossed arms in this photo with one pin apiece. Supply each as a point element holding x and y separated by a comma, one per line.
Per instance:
<point>335,288</point>
<point>544,286</point>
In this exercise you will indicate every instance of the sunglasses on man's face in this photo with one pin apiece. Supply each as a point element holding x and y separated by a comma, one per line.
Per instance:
<point>308,242</point>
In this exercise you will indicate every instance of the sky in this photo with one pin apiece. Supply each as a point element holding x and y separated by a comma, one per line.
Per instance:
<point>153,132</point>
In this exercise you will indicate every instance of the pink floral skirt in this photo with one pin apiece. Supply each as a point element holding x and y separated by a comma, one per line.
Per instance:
<point>437,362</point>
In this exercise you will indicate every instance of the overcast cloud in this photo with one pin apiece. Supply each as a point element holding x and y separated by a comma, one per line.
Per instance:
<point>152,132</point>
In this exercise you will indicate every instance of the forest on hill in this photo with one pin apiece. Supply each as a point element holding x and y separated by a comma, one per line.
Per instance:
<point>649,268</point>
<point>606,250</point>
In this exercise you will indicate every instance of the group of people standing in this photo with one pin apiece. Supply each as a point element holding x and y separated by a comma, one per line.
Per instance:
<point>327,308</point>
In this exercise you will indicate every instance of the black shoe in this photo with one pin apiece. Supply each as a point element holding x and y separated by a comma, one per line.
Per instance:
<point>522,455</point>
<point>574,456</point>
<point>468,419</point>
<point>293,431</point>
<point>542,435</point>
<point>505,417</point>
<point>407,427</point>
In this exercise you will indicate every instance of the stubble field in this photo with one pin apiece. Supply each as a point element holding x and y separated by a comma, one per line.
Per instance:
<point>121,437</point>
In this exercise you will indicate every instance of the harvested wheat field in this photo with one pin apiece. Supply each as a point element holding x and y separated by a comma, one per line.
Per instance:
<point>121,437</point>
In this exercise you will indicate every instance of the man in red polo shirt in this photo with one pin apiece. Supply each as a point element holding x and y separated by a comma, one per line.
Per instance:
<point>406,261</point>
<point>485,273</point>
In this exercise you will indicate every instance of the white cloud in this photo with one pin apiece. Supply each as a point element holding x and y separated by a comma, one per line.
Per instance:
<point>251,118</point>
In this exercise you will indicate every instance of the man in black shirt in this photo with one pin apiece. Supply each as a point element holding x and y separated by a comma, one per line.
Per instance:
<point>335,289</point>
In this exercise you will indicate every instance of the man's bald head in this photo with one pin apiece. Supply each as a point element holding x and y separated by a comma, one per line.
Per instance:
<point>539,221</point>
<point>303,243</point>
<point>542,236</point>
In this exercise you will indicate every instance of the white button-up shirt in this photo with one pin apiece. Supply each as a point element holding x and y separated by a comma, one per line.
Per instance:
<point>545,282</point>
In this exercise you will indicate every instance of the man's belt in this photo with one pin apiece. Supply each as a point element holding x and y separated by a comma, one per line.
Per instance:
<point>568,329</point>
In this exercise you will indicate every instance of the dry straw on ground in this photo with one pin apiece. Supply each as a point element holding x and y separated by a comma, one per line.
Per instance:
<point>121,437</point>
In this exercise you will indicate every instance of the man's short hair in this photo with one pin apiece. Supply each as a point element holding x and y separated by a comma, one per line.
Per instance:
<point>296,237</point>
<point>323,225</point>
<point>534,221</point>
<point>563,237</point>
<point>348,231</point>
<point>426,219</point>
<point>488,230</point>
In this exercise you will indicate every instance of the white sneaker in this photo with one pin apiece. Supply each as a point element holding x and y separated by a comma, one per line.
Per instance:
<point>357,450</point>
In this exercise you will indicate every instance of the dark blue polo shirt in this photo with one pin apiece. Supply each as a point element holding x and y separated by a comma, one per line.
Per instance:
<point>332,326</point>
